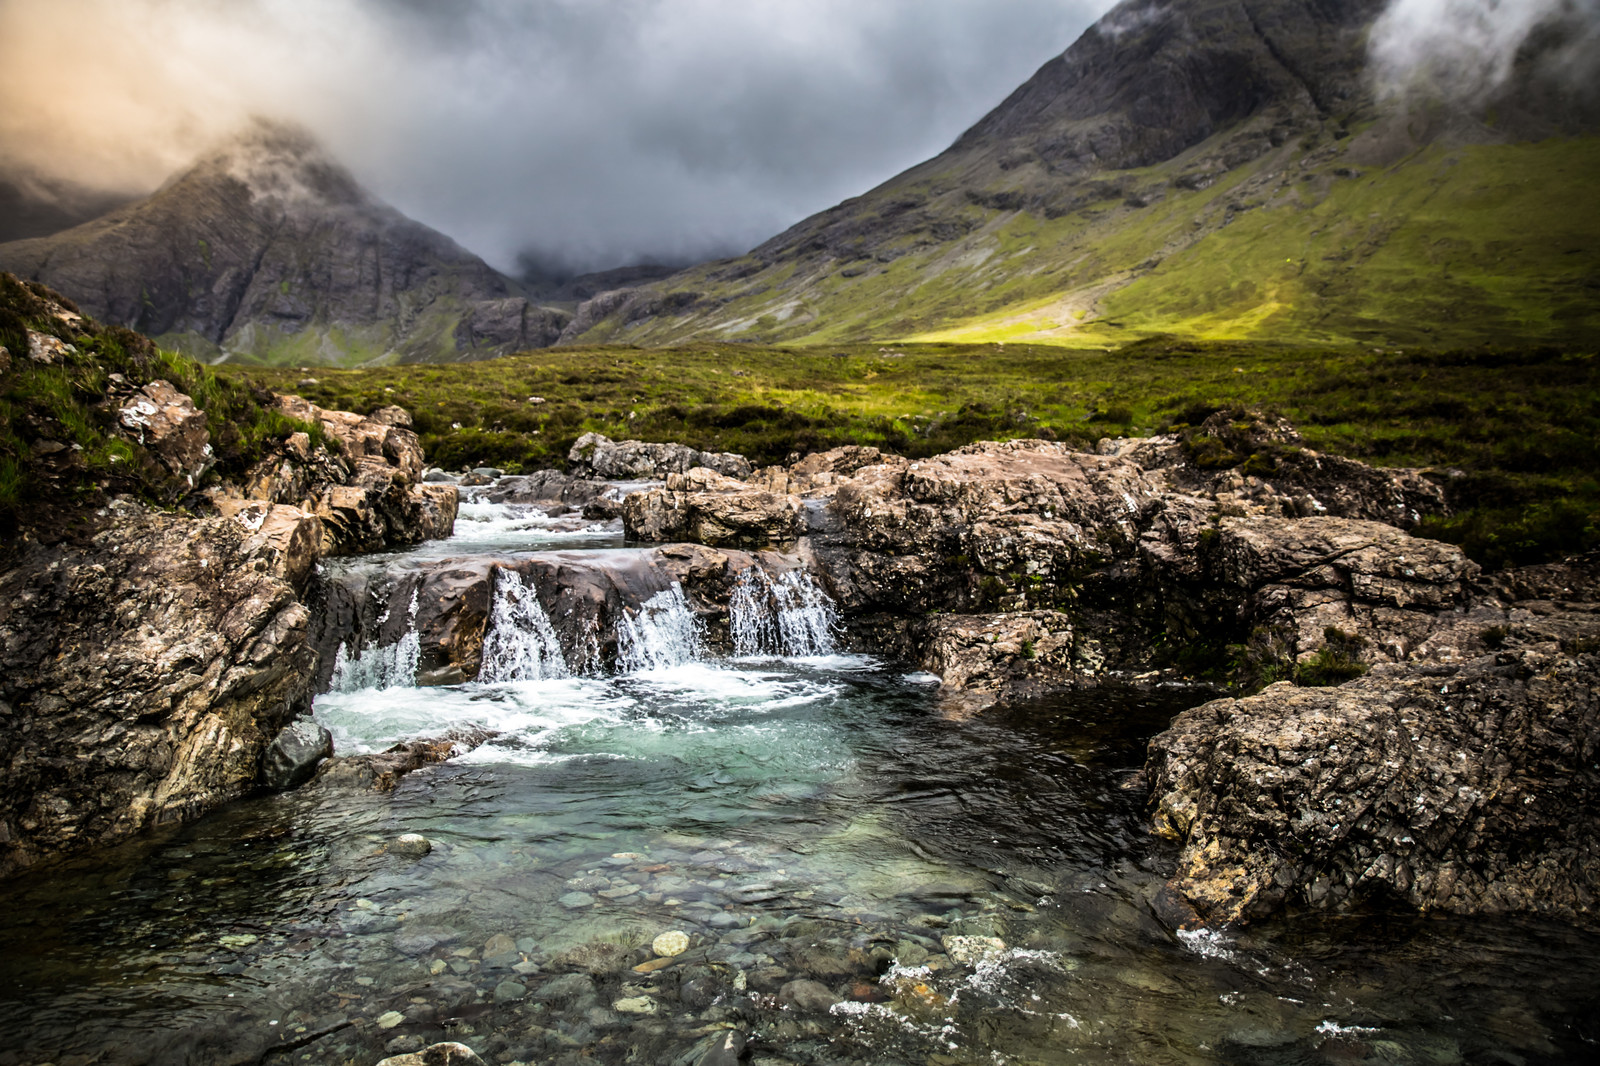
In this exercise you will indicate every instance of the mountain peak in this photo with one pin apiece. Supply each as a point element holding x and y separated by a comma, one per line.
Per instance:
<point>279,163</point>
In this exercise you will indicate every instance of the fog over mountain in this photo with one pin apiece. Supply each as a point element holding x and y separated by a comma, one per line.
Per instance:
<point>589,134</point>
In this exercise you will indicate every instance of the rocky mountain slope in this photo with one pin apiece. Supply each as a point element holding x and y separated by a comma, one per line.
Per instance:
<point>1221,168</point>
<point>267,250</point>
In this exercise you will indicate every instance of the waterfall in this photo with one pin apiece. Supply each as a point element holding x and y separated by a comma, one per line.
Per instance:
<point>392,666</point>
<point>521,644</point>
<point>663,632</point>
<point>786,615</point>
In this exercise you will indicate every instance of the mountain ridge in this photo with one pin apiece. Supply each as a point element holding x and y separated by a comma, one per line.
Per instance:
<point>1100,181</point>
<point>268,250</point>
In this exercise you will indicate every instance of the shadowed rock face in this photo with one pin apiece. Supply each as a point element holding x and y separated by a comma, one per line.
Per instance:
<point>145,674</point>
<point>268,247</point>
<point>1466,787</point>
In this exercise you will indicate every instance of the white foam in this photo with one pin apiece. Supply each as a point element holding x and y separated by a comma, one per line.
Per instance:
<point>786,615</point>
<point>390,666</point>
<point>521,644</point>
<point>662,633</point>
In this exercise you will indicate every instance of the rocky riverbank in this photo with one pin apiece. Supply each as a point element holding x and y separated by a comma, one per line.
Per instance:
<point>152,660</point>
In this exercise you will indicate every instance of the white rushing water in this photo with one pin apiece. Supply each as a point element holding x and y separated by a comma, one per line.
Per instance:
<point>662,633</point>
<point>787,615</point>
<point>391,666</point>
<point>521,644</point>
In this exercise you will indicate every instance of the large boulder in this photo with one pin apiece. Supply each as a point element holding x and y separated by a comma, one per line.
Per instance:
<point>146,672</point>
<point>709,508</point>
<point>167,423</point>
<point>369,495</point>
<point>595,455</point>
<point>1463,780</point>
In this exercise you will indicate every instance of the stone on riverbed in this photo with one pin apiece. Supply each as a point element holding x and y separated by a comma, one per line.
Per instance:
<point>813,997</point>
<point>413,845</point>
<point>446,1054</point>
<point>673,942</point>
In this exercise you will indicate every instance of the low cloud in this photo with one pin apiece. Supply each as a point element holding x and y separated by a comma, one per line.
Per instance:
<point>586,134</point>
<point>1466,49</point>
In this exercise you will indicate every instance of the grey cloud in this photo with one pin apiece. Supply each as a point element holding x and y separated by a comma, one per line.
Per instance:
<point>591,134</point>
<point>1465,49</point>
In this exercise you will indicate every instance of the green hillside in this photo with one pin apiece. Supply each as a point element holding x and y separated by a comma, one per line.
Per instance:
<point>1448,246</point>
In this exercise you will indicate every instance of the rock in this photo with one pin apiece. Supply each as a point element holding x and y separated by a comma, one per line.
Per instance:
<point>49,350</point>
<point>382,771</point>
<point>446,1054</point>
<point>564,989</point>
<point>971,950</point>
<point>389,1019</point>
<point>499,944</point>
<point>392,416</point>
<point>369,495</point>
<point>412,845</point>
<point>596,456</point>
<point>1459,780</point>
<point>673,942</point>
<point>509,991</point>
<point>434,475</point>
<point>490,472</point>
<point>147,669</point>
<point>725,1050</point>
<point>636,1005</point>
<point>707,508</point>
<point>813,997</point>
<point>576,900</point>
<point>166,423</point>
<point>293,755</point>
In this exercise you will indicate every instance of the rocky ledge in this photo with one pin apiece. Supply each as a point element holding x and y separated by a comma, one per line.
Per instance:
<point>151,665</point>
<point>1424,735</point>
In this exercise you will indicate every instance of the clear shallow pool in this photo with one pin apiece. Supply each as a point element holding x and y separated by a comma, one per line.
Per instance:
<point>961,890</point>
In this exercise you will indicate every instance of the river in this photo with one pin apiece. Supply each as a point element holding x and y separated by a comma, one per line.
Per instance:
<point>862,873</point>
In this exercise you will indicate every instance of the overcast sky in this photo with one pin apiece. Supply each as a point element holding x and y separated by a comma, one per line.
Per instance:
<point>595,133</point>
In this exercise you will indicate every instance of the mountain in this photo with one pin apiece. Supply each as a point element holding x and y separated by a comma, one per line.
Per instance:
<point>1216,168</point>
<point>267,250</point>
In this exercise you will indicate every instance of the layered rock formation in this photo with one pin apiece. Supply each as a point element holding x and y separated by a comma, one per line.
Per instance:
<point>1463,780</point>
<point>151,663</point>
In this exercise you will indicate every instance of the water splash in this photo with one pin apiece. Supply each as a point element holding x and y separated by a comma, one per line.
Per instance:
<point>662,633</point>
<point>391,666</point>
<point>786,615</point>
<point>521,644</point>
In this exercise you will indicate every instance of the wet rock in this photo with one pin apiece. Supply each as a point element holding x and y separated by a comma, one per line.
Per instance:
<point>569,987</point>
<point>576,900</point>
<point>411,845</point>
<point>422,941</point>
<point>725,1050</point>
<point>293,755</point>
<point>509,991</point>
<point>813,997</point>
<point>698,993</point>
<point>446,1054</point>
<point>147,669</point>
<point>597,456</point>
<point>673,942</point>
<point>1453,784</point>
<point>636,1005</point>
<point>971,950</point>
<point>499,944</point>
<point>382,771</point>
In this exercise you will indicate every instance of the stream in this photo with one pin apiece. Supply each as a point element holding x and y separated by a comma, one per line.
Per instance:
<point>861,875</point>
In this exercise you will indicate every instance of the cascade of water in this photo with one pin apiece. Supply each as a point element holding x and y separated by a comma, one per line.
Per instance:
<point>521,644</point>
<point>391,666</point>
<point>664,632</point>
<point>786,615</point>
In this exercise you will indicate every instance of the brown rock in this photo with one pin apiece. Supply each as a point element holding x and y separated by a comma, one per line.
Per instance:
<point>166,422</point>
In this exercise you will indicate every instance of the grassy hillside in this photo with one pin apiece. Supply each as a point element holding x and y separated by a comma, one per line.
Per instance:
<point>1309,243</point>
<point>1520,426</point>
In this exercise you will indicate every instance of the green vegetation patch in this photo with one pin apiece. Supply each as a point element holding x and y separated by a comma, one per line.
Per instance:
<point>1513,432</point>
<point>61,451</point>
